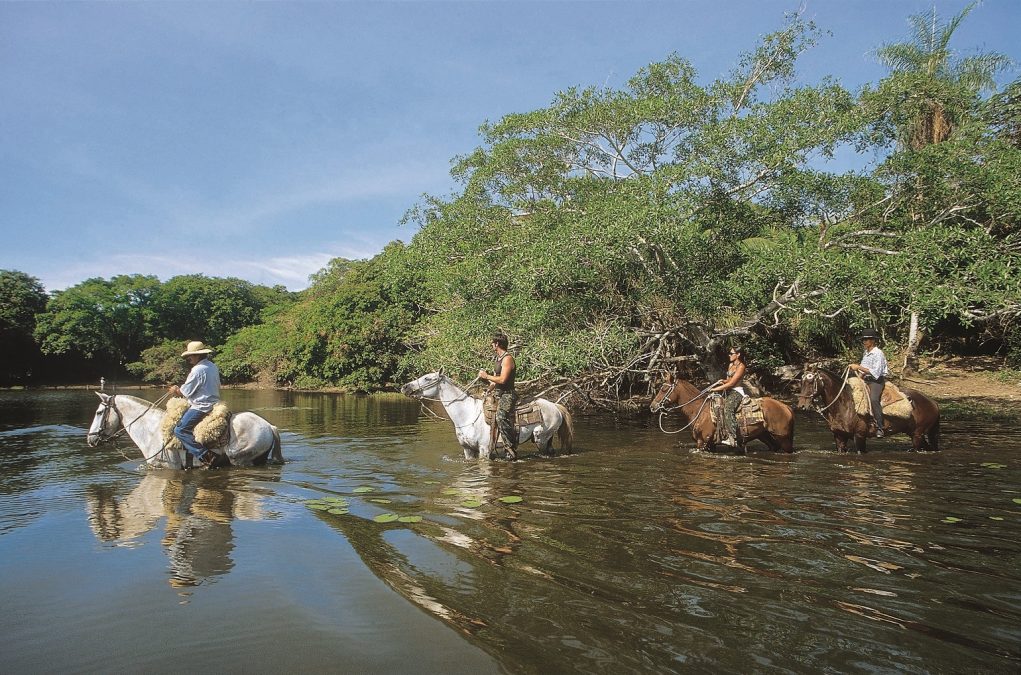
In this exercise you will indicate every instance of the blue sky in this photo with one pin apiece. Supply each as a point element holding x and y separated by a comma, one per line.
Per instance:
<point>260,140</point>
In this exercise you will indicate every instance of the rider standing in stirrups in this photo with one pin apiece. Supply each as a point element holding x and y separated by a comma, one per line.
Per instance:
<point>733,393</point>
<point>502,387</point>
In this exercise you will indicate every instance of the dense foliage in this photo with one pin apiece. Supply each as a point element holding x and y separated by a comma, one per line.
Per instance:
<point>618,232</point>
<point>21,298</point>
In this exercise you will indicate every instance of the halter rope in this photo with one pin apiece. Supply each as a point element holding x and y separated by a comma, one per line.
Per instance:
<point>846,375</point>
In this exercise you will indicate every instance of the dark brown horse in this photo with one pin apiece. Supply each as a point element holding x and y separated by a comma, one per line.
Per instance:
<point>834,400</point>
<point>776,430</point>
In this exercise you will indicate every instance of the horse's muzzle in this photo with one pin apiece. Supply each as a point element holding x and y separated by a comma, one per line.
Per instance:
<point>92,440</point>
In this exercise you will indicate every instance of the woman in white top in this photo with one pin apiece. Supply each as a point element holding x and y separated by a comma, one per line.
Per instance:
<point>873,370</point>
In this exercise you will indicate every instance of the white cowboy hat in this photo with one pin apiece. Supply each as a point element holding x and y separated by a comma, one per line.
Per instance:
<point>196,347</point>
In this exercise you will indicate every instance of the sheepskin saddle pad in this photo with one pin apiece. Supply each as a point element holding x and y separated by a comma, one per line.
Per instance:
<point>895,403</point>
<point>211,431</point>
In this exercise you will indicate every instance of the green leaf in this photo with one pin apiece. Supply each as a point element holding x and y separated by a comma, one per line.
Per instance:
<point>338,512</point>
<point>410,519</point>
<point>385,518</point>
<point>319,507</point>
<point>995,517</point>
<point>511,499</point>
<point>450,492</point>
<point>380,500</point>
<point>951,519</point>
<point>1017,500</point>
<point>993,465</point>
<point>364,488</point>
<point>471,503</point>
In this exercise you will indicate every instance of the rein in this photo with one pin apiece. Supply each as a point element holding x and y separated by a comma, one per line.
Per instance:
<point>693,419</point>
<point>463,396</point>
<point>846,375</point>
<point>112,405</point>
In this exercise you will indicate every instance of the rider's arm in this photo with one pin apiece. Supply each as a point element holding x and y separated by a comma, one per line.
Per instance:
<point>732,381</point>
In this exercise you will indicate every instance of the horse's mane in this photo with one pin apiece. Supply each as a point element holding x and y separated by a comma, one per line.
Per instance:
<point>136,399</point>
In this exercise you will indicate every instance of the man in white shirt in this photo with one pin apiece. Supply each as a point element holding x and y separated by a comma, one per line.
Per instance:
<point>202,389</point>
<point>873,370</point>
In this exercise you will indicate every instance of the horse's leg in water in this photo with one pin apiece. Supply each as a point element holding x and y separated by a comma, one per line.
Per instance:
<point>840,439</point>
<point>859,443</point>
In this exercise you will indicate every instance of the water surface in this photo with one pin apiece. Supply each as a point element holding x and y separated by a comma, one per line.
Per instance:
<point>635,554</point>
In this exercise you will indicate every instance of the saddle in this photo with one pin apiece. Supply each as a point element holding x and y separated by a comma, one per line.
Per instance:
<point>212,431</point>
<point>524,415</point>
<point>895,403</point>
<point>748,414</point>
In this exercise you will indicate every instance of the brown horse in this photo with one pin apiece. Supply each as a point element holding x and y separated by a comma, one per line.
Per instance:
<point>776,430</point>
<point>835,402</point>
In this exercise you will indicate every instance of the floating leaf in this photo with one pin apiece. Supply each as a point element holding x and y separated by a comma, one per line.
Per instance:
<point>338,512</point>
<point>410,519</point>
<point>386,518</point>
<point>1017,500</point>
<point>380,500</point>
<point>995,517</point>
<point>951,519</point>
<point>511,499</point>
<point>430,482</point>
<point>471,503</point>
<point>451,492</point>
<point>993,465</point>
<point>319,507</point>
<point>364,488</point>
<point>336,500</point>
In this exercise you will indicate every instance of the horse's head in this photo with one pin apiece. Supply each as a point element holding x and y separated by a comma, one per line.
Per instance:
<point>666,396</point>
<point>813,385</point>
<point>426,386</point>
<point>106,421</point>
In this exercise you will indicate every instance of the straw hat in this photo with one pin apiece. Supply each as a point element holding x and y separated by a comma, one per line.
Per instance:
<point>196,347</point>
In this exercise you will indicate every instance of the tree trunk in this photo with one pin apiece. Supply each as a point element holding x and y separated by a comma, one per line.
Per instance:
<point>911,353</point>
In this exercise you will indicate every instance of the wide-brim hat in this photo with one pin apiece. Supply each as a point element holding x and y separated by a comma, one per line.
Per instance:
<point>869,333</point>
<point>196,347</point>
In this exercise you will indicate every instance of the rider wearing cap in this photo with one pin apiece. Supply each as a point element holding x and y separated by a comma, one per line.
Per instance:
<point>873,370</point>
<point>202,389</point>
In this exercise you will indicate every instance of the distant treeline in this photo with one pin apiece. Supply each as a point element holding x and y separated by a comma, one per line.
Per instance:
<point>618,233</point>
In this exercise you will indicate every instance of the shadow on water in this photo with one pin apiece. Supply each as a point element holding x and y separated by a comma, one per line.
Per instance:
<point>635,554</point>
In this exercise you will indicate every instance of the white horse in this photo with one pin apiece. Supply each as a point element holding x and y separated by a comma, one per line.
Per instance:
<point>250,440</point>
<point>474,434</point>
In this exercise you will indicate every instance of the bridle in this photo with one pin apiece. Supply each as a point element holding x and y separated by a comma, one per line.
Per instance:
<point>817,387</point>
<point>110,404</point>
<point>663,409</point>
<point>415,392</point>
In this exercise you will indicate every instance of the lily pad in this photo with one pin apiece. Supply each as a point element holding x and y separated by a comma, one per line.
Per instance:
<point>995,517</point>
<point>471,503</point>
<point>335,500</point>
<point>364,488</point>
<point>320,507</point>
<point>339,512</point>
<point>386,518</point>
<point>511,499</point>
<point>450,492</point>
<point>410,519</point>
<point>993,465</point>
<point>951,519</point>
<point>380,500</point>
<point>1017,500</point>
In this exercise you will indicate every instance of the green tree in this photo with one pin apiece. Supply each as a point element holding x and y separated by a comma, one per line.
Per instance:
<point>933,94</point>
<point>109,320</point>
<point>21,298</point>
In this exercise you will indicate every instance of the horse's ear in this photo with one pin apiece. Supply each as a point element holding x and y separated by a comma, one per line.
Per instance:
<point>668,378</point>
<point>440,371</point>
<point>102,397</point>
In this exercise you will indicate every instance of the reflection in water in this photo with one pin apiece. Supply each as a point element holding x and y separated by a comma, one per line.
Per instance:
<point>197,534</point>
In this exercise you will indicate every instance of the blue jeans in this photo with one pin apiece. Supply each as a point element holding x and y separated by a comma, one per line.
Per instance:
<point>185,431</point>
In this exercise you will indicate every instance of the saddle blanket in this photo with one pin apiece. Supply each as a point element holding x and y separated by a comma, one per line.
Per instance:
<point>525,414</point>
<point>895,403</point>
<point>748,414</point>
<point>211,431</point>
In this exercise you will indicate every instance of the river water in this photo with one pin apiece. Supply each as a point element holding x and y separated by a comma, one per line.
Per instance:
<point>635,554</point>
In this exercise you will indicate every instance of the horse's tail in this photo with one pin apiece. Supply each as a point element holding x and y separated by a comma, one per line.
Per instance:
<point>274,450</point>
<point>565,432</point>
